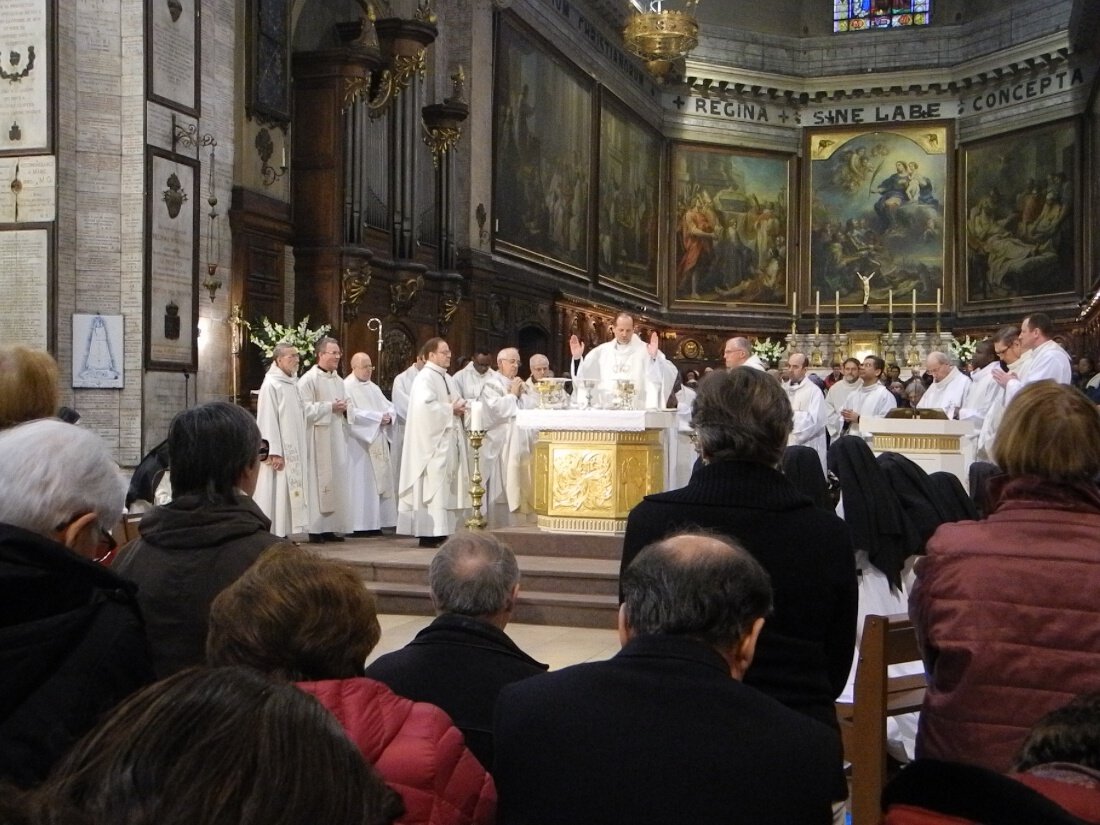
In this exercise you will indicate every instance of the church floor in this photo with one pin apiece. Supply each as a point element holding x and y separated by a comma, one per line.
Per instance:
<point>556,646</point>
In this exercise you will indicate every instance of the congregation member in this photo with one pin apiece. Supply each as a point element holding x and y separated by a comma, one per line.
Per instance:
<point>193,547</point>
<point>325,401</point>
<point>28,385</point>
<point>371,494</point>
<point>210,747</point>
<point>836,373</point>
<point>506,450</point>
<point>950,386</point>
<point>1043,357</point>
<point>983,389</point>
<point>993,672</point>
<point>470,381</point>
<point>837,396</point>
<point>298,617</point>
<point>1008,349</point>
<point>399,392</point>
<point>281,491</point>
<point>72,642</point>
<point>914,392</point>
<point>870,400</point>
<point>626,357</point>
<point>742,420</point>
<point>738,353</point>
<point>462,660</point>
<point>807,405</point>
<point>665,731</point>
<point>434,492</point>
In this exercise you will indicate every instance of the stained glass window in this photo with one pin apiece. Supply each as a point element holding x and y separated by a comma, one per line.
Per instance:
<point>861,15</point>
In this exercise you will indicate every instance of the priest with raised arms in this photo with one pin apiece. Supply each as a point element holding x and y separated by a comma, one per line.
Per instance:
<point>371,483</point>
<point>325,401</point>
<point>435,478</point>
<point>626,358</point>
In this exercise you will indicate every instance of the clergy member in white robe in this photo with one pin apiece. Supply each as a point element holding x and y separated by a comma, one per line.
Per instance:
<point>435,479</point>
<point>281,491</point>
<point>950,386</point>
<point>471,379</point>
<point>807,405</point>
<point>402,387</point>
<point>983,389</point>
<point>871,400</point>
<point>1046,360</point>
<point>625,357</point>
<point>837,396</point>
<point>325,402</point>
<point>686,454</point>
<point>738,353</point>
<point>540,368</point>
<point>505,454</point>
<point>1008,348</point>
<point>372,492</point>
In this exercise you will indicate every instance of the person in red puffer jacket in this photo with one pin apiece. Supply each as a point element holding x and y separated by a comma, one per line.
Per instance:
<point>299,617</point>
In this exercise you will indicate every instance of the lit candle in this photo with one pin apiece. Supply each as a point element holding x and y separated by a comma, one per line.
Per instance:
<point>817,304</point>
<point>794,303</point>
<point>477,424</point>
<point>938,300</point>
<point>284,156</point>
<point>838,303</point>
<point>914,302</point>
<point>890,304</point>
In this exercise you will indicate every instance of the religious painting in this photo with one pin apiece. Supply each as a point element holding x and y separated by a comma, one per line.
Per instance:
<point>731,227</point>
<point>877,207</point>
<point>172,261</point>
<point>543,121</point>
<point>1020,228</point>
<point>173,55</point>
<point>630,192</point>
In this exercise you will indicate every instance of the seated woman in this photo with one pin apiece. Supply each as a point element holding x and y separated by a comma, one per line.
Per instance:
<point>28,385</point>
<point>302,618</point>
<point>1006,609</point>
<point>213,747</point>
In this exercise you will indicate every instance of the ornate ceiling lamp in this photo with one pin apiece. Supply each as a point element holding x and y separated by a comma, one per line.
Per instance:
<point>662,36</point>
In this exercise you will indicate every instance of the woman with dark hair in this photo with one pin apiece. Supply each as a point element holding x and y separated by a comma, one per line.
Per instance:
<point>215,747</point>
<point>742,418</point>
<point>299,617</point>
<point>193,547</point>
<point>1006,608</point>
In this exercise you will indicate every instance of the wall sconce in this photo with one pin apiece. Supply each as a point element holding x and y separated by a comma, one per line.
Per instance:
<point>213,237</point>
<point>441,121</point>
<point>266,149</point>
<point>481,216</point>
<point>402,44</point>
<point>189,137</point>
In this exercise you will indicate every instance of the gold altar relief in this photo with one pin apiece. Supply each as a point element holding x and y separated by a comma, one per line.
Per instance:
<point>915,443</point>
<point>542,475</point>
<point>582,481</point>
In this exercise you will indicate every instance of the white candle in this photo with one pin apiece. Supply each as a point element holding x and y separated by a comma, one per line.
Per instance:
<point>817,304</point>
<point>838,303</point>
<point>794,303</point>
<point>914,302</point>
<point>938,300</point>
<point>477,423</point>
<point>284,156</point>
<point>890,299</point>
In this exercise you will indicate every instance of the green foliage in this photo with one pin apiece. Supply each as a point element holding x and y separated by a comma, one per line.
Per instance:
<point>269,333</point>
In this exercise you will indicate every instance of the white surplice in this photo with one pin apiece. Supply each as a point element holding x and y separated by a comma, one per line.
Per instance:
<point>1046,361</point>
<point>435,482</point>
<point>470,383</point>
<point>402,387</point>
<point>371,485</point>
<point>947,395</point>
<point>835,401</point>
<point>983,394</point>
<point>653,377</point>
<point>505,456</point>
<point>328,465</point>
<point>870,402</point>
<point>808,408</point>
<point>282,495</point>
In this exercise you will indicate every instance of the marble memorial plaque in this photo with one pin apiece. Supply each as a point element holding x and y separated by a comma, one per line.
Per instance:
<point>24,77</point>
<point>25,262</point>
<point>97,351</point>
<point>174,54</point>
<point>27,189</point>
<point>173,262</point>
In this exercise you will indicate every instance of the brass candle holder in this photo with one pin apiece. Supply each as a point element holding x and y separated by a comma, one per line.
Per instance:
<point>477,521</point>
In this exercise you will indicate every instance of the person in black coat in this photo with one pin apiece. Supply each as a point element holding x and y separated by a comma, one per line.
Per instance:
<point>665,732</point>
<point>461,660</point>
<point>72,642</point>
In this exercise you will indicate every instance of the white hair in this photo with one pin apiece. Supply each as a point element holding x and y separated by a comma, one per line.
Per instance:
<point>508,352</point>
<point>540,359</point>
<point>53,472</point>
<point>938,358</point>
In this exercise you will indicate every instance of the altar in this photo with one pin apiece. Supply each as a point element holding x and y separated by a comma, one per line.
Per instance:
<point>932,444</point>
<point>590,467</point>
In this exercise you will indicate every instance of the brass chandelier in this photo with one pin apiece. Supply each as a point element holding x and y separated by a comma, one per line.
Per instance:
<point>662,36</point>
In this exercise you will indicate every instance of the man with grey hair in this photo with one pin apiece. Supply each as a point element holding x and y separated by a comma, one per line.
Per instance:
<point>462,660</point>
<point>506,452</point>
<point>738,353</point>
<point>281,488</point>
<point>540,368</point>
<point>950,387</point>
<point>72,642</point>
<point>669,711</point>
<point>324,397</point>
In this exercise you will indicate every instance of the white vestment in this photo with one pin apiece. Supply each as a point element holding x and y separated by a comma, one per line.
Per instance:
<point>983,394</point>
<point>996,412</point>
<point>755,363</point>
<point>808,406</point>
<point>435,480</point>
<point>283,494</point>
<point>328,464</point>
<point>947,395</point>
<point>686,453</point>
<point>870,402</point>
<point>505,456</point>
<point>1046,361</point>
<point>402,387</point>
<point>371,483</point>
<point>835,401</point>
<point>470,383</point>
<point>653,378</point>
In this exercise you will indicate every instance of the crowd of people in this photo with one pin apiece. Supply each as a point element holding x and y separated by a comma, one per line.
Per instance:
<point>211,671</point>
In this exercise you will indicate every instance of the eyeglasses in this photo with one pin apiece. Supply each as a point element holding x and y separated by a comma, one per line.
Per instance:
<point>265,449</point>
<point>106,542</point>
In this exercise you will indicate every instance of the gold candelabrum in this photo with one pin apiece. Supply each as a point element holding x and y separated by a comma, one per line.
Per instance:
<point>477,521</point>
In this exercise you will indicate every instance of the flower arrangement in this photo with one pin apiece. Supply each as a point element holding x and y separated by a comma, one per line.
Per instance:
<point>270,333</point>
<point>768,351</point>
<point>962,351</point>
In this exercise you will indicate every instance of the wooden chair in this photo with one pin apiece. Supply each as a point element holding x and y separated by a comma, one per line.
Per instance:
<point>887,640</point>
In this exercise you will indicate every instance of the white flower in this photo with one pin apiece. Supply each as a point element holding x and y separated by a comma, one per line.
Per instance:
<point>301,336</point>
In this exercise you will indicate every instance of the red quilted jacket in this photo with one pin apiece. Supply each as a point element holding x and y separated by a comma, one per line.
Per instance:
<point>416,748</point>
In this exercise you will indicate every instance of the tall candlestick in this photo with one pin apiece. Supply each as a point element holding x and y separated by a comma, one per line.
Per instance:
<point>794,304</point>
<point>890,304</point>
<point>838,303</point>
<point>939,295</point>
<point>817,304</point>
<point>914,303</point>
